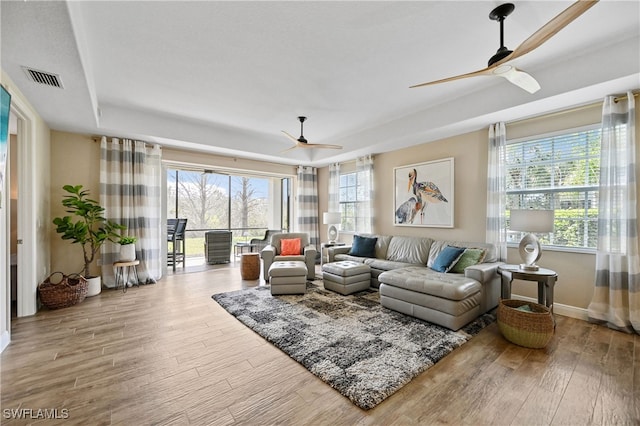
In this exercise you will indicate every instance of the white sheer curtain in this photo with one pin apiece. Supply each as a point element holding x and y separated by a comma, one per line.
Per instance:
<point>334,188</point>
<point>616,297</point>
<point>130,184</point>
<point>496,232</point>
<point>365,214</point>
<point>307,204</point>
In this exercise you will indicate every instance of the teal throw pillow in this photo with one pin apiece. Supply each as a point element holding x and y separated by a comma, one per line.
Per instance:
<point>471,256</point>
<point>447,258</point>
<point>363,246</point>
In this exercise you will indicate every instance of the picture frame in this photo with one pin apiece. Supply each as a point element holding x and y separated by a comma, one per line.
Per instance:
<point>424,194</point>
<point>5,109</point>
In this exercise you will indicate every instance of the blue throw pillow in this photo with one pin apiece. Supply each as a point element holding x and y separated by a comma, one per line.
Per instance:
<point>447,258</point>
<point>363,246</point>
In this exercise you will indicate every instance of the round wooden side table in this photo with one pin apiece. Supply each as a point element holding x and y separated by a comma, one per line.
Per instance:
<point>122,270</point>
<point>250,266</point>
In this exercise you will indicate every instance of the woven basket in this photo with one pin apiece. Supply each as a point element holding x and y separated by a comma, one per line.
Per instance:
<point>71,289</point>
<point>529,329</point>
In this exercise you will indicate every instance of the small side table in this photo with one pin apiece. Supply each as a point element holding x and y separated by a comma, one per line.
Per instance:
<point>546,279</point>
<point>123,268</point>
<point>327,245</point>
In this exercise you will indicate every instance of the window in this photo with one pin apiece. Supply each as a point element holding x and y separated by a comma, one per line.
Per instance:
<point>351,196</point>
<point>558,172</point>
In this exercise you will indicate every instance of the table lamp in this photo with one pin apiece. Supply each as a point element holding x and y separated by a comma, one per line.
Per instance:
<point>531,221</point>
<point>331,219</point>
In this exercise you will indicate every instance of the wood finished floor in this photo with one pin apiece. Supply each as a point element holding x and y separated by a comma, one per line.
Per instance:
<point>168,354</point>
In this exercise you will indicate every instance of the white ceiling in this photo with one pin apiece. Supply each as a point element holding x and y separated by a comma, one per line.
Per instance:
<point>227,77</point>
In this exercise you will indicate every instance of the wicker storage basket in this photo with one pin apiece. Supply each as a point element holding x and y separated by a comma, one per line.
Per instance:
<point>529,329</point>
<point>71,289</point>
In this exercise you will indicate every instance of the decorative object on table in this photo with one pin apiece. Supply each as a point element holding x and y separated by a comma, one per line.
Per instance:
<point>68,291</point>
<point>90,229</point>
<point>127,248</point>
<point>498,63</point>
<point>424,194</point>
<point>530,221</point>
<point>332,219</point>
<point>524,323</point>
<point>352,343</point>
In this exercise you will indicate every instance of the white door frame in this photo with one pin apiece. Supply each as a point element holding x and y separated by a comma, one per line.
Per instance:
<point>27,223</point>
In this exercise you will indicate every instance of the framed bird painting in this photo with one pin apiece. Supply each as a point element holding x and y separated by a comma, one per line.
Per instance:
<point>424,194</point>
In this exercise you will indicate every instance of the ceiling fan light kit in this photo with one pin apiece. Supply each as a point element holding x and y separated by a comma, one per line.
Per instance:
<point>497,63</point>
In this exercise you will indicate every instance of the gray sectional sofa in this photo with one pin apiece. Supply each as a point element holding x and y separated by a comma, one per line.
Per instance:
<point>401,270</point>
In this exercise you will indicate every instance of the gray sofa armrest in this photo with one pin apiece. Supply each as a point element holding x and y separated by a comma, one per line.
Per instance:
<point>483,272</point>
<point>310,260</point>
<point>332,251</point>
<point>267,254</point>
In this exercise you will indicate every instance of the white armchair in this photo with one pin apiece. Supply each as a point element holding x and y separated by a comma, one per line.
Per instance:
<point>272,253</point>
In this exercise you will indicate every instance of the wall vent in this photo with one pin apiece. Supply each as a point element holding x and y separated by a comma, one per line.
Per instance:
<point>43,77</point>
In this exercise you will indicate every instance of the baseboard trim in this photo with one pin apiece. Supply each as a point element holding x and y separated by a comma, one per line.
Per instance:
<point>560,309</point>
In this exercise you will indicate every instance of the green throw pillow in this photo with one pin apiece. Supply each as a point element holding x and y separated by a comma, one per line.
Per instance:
<point>471,256</point>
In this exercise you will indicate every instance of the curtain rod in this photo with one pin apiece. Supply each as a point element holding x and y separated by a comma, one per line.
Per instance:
<point>566,111</point>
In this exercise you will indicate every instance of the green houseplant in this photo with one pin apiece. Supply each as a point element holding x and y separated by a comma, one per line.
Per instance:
<point>86,226</point>
<point>127,248</point>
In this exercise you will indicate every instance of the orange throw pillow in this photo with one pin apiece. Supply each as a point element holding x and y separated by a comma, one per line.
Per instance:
<point>290,247</point>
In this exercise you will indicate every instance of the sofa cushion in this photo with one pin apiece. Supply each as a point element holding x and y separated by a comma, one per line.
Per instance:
<point>363,246</point>
<point>388,265</point>
<point>409,250</point>
<point>342,257</point>
<point>447,258</point>
<point>471,256</point>
<point>424,280</point>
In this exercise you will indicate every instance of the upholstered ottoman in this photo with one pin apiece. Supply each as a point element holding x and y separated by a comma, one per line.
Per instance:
<point>288,277</point>
<point>346,277</point>
<point>449,300</point>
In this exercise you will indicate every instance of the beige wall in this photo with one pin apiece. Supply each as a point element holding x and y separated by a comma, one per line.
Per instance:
<point>575,270</point>
<point>75,160</point>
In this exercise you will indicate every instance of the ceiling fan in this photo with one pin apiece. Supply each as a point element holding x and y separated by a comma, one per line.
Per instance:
<point>301,142</point>
<point>498,63</point>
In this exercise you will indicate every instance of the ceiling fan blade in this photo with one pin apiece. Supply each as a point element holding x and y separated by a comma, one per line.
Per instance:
<point>550,29</point>
<point>290,137</point>
<point>518,77</point>
<point>289,149</point>
<point>323,146</point>
<point>485,71</point>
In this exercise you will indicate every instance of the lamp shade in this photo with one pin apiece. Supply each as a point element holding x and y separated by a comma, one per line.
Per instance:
<point>528,220</point>
<point>331,218</point>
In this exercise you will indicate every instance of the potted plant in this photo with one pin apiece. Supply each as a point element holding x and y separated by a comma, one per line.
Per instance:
<point>88,227</point>
<point>127,247</point>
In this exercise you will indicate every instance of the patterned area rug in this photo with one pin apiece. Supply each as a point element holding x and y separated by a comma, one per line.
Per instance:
<point>363,350</point>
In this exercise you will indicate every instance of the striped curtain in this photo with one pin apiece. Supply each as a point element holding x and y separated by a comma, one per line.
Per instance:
<point>334,188</point>
<point>616,297</point>
<point>130,185</point>
<point>364,174</point>
<point>496,232</point>
<point>307,204</point>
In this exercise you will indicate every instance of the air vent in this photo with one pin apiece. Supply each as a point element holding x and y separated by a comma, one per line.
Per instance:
<point>43,77</point>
